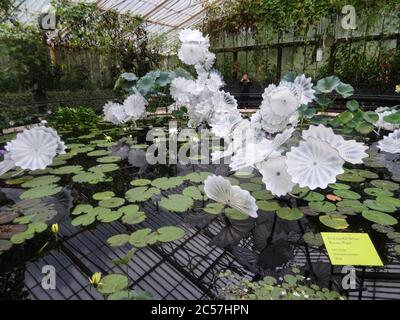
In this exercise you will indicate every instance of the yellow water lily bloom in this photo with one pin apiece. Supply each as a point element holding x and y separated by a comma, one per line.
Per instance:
<point>55,228</point>
<point>95,279</point>
<point>397,88</point>
<point>108,138</point>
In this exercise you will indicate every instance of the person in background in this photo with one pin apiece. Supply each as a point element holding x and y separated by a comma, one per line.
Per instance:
<point>245,87</point>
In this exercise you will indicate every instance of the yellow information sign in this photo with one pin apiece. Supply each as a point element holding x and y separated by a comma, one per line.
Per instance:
<point>350,249</point>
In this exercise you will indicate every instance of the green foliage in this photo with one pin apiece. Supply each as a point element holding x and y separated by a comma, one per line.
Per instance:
<point>80,119</point>
<point>293,287</point>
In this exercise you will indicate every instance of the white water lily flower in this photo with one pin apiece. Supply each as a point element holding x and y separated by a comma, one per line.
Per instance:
<point>253,153</point>
<point>314,164</point>
<point>115,113</point>
<point>275,176</point>
<point>7,164</point>
<point>220,189</point>
<point>33,149</point>
<point>350,150</point>
<point>391,143</point>
<point>135,106</point>
<point>282,101</point>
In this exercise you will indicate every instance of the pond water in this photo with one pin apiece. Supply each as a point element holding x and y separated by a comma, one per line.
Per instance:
<point>153,223</point>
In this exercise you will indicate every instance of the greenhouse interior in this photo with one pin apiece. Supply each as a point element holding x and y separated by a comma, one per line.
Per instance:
<point>200,150</point>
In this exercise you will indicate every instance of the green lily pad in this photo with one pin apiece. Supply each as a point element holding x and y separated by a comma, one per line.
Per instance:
<point>262,195</point>
<point>322,206</point>
<point>108,159</point>
<point>118,240</point>
<point>384,184</point>
<point>109,217</point>
<point>376,192</point>
<point>103,195</point>
<point>167,183</point>
<point>82,208</point>
<point>41,181</point>
<point>334,222</point>
<point>98,153</point>
<point>381,228</point>
<point>167,234</point>
<point>140,182</point>
<point>112,202</point>
<point>113,283</point>
<point>355,205</point>
<point>139,238</point>
<point>379,205</point>
<point>368,174</point>
<point>379,217</point>
<point>140,194</point>
<point>134,217</point>
<point>290,214</point>
<point>234,214</point>
<point>268,206</point>
<point>243,175</point>
<point>89,177</point>
<point>350,177</point>
<point>250,186</point>
<point>176,203</point>
<point>193,192</point>
<point>314,196</point>
<point>214,208</point>
<point>103,168</point>
<point>67,170</point>
<point>19,180</point>
<point>389,201</point>
<point>84,220</point>
<point>40,192</point>
<point>339,186</point>
<point>347,194</point>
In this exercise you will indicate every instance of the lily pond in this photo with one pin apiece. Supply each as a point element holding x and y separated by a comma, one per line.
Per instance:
<point>152,233</point>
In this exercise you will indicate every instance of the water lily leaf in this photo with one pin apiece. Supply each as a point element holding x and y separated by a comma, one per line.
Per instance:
<point>103,195</point>
<point>139,238</point>
<point>167,183</point>
<point>21,237</point>
<point>314,196</point>
<point>250,186</point>
<point>389,201</point>
<point>379,205</point>
<point>355,205</point>
<point>98,153</point>
<point>112,202</point>
<point>125,260</point>
<point>376,192</point>
<point>193,192</point>
<point>170,233</point>
<point>393,118</point>
<point>7,217</point>
<point>108,159</point>
<point>234,214</point>
<point>350,177</point>
<point>67,170</point>
<point>39,226</point>
<point>118,240</point>
<point>322,206</point>
<point>82,208</point>
<point>379,217</point>
<point>113,283</point>
<point>352,105</point>
<point>334,222</point>
<point>347,194</point>
<point>262,195</point>
<point>140,182</point>
<point>89,177</point>
<point>384,184</point>
<point>268,206</point>
<point>41,181</point>
<point>18,180</point>
<point>8,231</point>
<point>313,239</point>
<point>197,177</point>
<point>109,217</point>
<point>381,228</point>
<point>84,220</point>
<point>134,217</point>
<point>40,192</point>
<point>140,194</point>
<point>367,174</point>
<point>103,168</point>
<point>214,208</point>
<point>290,214</point>
<point>176,203</point>
<point>243,175</point>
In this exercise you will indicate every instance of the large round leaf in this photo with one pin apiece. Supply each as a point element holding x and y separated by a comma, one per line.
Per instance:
<point>113,283</point>
<point>334,222</point>
<point>176,203</point>
<point>379,217</point>
<point>166,234</point>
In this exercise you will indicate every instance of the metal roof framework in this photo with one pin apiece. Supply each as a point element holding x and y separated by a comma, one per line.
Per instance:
<point>161,16</point>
